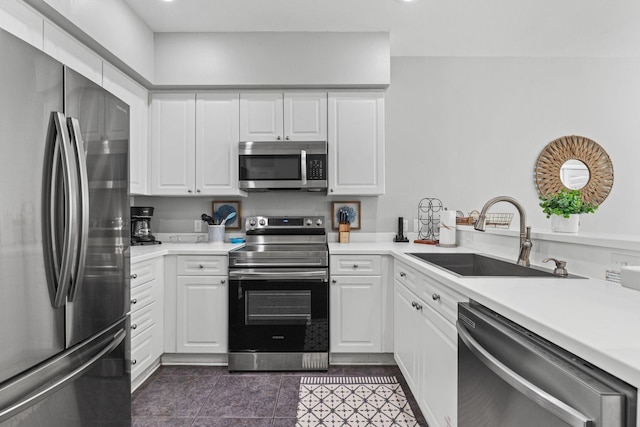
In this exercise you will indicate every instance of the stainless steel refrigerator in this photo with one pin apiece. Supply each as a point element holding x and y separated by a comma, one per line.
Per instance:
<point>64,245</point>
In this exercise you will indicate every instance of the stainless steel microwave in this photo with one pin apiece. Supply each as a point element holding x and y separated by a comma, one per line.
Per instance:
<point>283,165</point>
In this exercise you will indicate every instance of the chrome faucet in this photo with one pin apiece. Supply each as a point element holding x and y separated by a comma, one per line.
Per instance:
<point>525,232</point>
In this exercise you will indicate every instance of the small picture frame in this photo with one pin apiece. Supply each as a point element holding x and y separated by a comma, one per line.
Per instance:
<point>222,208</point>
<point>353,213</point>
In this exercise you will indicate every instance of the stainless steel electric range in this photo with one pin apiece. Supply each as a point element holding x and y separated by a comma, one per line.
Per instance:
<point>279,296</point>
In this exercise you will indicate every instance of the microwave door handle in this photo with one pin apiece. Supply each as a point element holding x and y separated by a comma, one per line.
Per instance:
<point>560,409</point>
<point>303,166</point>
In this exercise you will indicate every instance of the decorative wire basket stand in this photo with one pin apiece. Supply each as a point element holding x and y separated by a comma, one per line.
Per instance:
<point>498,220</point>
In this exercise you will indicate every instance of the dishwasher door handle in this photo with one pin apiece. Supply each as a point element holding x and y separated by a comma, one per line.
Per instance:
<point>563,411</point>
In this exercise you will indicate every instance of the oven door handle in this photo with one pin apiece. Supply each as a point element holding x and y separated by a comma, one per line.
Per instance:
<point>560,409</point>
<point>277,275</point>
<point>275,264</point>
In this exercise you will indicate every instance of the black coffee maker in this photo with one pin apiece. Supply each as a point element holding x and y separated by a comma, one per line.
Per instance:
<point>141,232</point>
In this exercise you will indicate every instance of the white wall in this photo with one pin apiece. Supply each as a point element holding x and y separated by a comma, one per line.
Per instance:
<point>467,129</point>
<point>280,59</point>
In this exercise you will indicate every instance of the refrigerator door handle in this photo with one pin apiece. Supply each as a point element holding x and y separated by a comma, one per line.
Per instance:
<point>45,391</point>
<point>83,196</point>
<point>59,211</point>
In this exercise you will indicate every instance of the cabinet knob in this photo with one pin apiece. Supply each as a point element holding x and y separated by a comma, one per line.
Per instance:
<point>418,306</point>
<point>134,326</point>
<point>355,265</point>
<point>134,361</point>
<point>198,190</point>
<point>134,301</point>
<point>134,276</point>
<point>287,138</point>
<point>403,274</point>
<point>413,303</point>
<point>334,281</point>
<point>223,281</point>
<point>201,266</point>
<point>331,190</point>
<point>189,191</point>
<point>279,138</point>
<point>435,297</point>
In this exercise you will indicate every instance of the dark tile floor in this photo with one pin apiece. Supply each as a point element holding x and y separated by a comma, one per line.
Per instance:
<point>208,396</point>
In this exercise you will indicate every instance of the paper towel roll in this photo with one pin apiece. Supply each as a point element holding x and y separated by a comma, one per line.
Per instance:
<point>448,228</point>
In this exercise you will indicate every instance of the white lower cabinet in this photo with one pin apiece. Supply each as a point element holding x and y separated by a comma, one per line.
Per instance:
<point>200,305</point>
<point>202,314</point>
<point>426,347</point>
<point>355,304</point>
<point>147,318</point>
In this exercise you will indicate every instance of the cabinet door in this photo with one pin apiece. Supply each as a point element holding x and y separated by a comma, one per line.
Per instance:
<point>406,324</point>
<point>202,314</point>
<point>305,116</point>
<point>173,146</point>
<point>261,117</point>
<point>217,137</point>
<point>438,388</point>
<point>137,97</point>
<point>356,143</point>
<point>355,314</point>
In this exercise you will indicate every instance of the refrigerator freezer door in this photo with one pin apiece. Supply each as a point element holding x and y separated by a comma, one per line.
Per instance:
<point>88,385</point>
<point>32,330</point>
<point>101,295</point>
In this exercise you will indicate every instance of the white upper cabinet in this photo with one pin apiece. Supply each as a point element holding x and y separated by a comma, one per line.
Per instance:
<point>137,97</point>
<point>305,116</point>
<point>217,137</point>
<point>194,143</point>
<point>356,143</point>
<point>173,144</point>
<point>277,116</point>
<point>72,53</point>
<point>21,21</point>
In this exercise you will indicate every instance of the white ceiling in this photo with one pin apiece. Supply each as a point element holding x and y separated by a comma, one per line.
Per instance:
<point>530,28</point>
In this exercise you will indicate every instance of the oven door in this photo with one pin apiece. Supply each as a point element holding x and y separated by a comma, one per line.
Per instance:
<point>278,310</point>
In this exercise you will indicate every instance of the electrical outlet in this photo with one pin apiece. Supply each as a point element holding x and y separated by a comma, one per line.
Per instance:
<point>197,226</point>
<point>619,260</point>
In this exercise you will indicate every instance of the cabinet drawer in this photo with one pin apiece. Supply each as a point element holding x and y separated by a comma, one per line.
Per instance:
<point>202,265</point>
<point>408,277</point>
<point>356,265</point>
<point>141,296</point>
<point>443,299</point>
<point>142,320</point>
<point>143,272</point>
<point>141,351</point>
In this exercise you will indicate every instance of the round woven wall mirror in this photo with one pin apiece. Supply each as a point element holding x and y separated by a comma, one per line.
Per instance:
<point>595,182</point>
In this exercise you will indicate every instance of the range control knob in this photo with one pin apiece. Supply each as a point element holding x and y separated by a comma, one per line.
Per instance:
<point>252,222</point>
<point>318,222</point>
<point>263,221</point>
<point>308,222</point>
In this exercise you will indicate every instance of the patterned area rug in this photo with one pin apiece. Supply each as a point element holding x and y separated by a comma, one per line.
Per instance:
<point>353,402</point>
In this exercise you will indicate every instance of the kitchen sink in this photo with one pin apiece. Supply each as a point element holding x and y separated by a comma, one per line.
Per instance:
<point>476,265</point>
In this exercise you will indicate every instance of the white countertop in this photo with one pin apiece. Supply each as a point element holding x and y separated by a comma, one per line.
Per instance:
<point>597,320</point>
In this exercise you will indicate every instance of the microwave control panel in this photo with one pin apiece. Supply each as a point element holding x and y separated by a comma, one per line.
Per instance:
<point>316,167</point>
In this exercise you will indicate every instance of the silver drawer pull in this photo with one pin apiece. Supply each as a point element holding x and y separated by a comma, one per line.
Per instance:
<point>134,276</point>
<point>134,326</point>
<point>134,301</point>
<point>134,361</point>
<point>403,274</point>
<point>201,266</point>
<point>435,297</point>
<point>418,306</point>
<point>223,281</point>
<point>355,265</point>
<point>413,304</point>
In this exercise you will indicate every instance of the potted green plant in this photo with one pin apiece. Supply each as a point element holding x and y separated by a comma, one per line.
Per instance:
<point>564,209</point>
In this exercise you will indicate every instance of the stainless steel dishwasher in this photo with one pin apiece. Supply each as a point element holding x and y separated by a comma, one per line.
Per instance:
<point>510,377</point>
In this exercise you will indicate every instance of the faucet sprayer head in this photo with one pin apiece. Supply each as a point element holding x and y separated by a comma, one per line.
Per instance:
<point>480,224</point>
